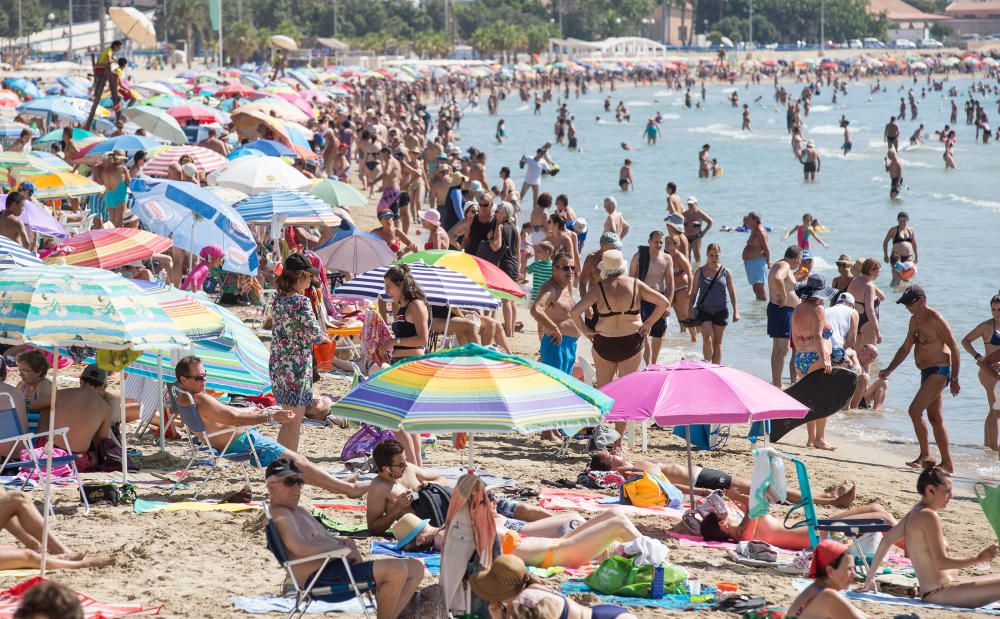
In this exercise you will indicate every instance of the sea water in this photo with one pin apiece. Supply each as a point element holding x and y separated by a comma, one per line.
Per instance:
<point>954,213</point>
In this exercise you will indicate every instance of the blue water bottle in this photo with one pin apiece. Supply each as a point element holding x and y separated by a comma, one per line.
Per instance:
<point>656,590</point>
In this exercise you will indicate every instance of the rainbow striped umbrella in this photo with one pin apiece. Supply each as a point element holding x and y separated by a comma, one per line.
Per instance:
<point>34,161</point>
<point>57,185</point>
<point>473,389</point>
<point>486,274</point>
<point>109,248</point>
<point>194,315</point>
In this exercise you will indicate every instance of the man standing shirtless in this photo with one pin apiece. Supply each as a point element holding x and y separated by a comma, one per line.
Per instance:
<point>781,304</point>
<point>655,267</point>
<point>551,311</point>
<point>113,174</point>
<point>11,225</point>
<point>756,255</point>
<point>390,182</point>
<point>615,222</point>
<point>936,356</point>
<point>891,134</point>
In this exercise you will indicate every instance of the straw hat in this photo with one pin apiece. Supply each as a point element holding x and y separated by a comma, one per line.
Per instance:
<point>613,260</point>
<point>844,259</point>
<point>406,529</point>
<point>504,580</point>
<point>458,178</point>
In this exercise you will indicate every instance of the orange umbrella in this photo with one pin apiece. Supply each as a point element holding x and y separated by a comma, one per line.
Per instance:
<point>109,248</point>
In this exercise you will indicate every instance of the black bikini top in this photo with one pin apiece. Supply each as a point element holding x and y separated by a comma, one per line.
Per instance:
<point>632,310</point>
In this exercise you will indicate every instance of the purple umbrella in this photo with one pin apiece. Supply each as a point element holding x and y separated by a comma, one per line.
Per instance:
<point>35,216</point>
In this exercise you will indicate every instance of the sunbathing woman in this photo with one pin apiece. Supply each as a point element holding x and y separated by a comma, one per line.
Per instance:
<point>735,526</point>
<point>19,517</point>
<point>832,568</point>
<point>577,547</point>
<point>927,548</point>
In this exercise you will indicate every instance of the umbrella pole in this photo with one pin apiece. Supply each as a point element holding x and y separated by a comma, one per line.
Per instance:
<point>470,445</point>
<point>690,467</point>
<point>48,459</point>
<point>160,408</point>
<point>447,320</point>
<point>124,430</point>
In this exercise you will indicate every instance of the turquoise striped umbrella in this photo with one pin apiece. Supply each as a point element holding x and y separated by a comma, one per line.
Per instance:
<point>295,208</point>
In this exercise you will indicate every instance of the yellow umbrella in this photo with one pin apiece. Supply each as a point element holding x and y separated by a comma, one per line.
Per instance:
<point>285,112</point>
<point>134,24</point>
<point>280,40</point>
<point>56,185</point>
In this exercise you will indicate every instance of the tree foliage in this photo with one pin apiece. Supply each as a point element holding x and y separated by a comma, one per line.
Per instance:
<point>797,19</point>
<point>32,18</point>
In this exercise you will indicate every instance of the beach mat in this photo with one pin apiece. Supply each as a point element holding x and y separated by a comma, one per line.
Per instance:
<point>142,506</point>
<point>671,602</point>
<point>452,474</point>
<point>359,529</point>
<point>895,600</point>
<point>274,604</point>
<point>351,505</point>
<point>691,541</point>
<point>824,394</point>
<point>431,560</point>
<point>551,498</point>
<point>10,599</point>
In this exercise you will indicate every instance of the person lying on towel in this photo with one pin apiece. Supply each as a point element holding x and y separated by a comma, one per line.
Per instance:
<point>218,417</point>
<point>394,581</point>
<point>21,519</point>
<point>706,480</point>
<point>393,491</point>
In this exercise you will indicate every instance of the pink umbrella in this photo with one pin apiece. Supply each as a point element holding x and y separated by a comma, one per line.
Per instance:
<point>694,392</point>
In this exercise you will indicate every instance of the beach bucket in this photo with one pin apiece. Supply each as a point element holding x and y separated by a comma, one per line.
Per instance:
<point>989,500</point>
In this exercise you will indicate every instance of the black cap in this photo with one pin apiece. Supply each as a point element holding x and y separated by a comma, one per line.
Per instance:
<point>912,294</point>
<point>280,468</point>
<point>94,374</point>
<point>298,262</point>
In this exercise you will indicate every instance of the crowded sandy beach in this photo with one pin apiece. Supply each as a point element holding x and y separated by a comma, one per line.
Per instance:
<point>637,338</point>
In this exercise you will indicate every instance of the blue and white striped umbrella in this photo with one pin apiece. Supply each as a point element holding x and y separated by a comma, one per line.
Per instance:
<point>296,208</point>
<point>441,286</point>
<point>128,143</point>
<point>13,255</point>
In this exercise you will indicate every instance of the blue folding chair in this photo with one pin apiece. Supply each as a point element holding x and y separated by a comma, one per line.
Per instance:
<point>306,592</point>
<point>11,431</point>
<point>200,448</point>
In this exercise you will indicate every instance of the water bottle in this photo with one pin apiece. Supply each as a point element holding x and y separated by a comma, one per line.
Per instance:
<point>656,590</point>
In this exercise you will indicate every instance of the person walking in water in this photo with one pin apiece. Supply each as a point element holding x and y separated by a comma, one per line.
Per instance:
<point>895,169</point>
<point>805,231</point>
<point>936,356</point>
<point>756,255</point>
<point>810,161</point>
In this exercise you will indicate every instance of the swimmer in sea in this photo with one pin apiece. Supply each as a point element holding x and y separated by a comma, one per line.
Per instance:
<point>895,169</point>
<point>625,146</point>
<point>704,166</point>
<point>746,118</point>
<point>846,147</point>
<point>810,161</point>
<point>625,181</point>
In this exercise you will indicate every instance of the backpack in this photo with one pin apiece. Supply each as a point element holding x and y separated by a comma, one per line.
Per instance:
<point>363,442</point>
<point>432,503</point>
<point>110,455</point>
<point>643,489</point>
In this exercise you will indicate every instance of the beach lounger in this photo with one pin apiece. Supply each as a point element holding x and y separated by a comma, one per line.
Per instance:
<point>200,449</point>
<point>306,592</point>
<point>11,431</point>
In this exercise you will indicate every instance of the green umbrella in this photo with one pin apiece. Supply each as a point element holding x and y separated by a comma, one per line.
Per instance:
<point>336,193</point>
<point>57,134</point>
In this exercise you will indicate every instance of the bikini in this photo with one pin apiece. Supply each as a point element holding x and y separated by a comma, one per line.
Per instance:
<point>401,327</point>
<point>623,347</point>
<point>995,338</point>
<point>925,596</point>
<point>805,604</point>
<point>863,316</point>
<point>678,273</point>
<point>803,236</point>
<point>898,238</point>
<point>805,359</point>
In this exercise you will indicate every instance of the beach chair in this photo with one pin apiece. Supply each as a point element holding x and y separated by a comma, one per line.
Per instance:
<point>852,529</point>
<point>200,448</point>
<point>306,592</point>
<point>11,431</point>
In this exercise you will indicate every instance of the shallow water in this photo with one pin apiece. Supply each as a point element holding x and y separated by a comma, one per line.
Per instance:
<point>954,213</point>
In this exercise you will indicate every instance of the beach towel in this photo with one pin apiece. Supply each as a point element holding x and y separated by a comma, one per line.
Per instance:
<point>274,604</point>
<point>767,484</point>
<point>885,598</point>
<point>431,560</point>
<point>592,502</point>
<point>453,474</point>
<point>705,601</point>
<point>10,599</point>
<point>351,505</point>
<point>142,506</point>
<point>343,528</point>
<point>693,540</point>
<point>989,499</point>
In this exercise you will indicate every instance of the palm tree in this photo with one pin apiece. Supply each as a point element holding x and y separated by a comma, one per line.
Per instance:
<point>193,15</point>
<point>694,12</point>
<point>241,41</point>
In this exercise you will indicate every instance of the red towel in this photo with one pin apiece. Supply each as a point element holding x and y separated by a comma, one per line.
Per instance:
<point>10,599</point>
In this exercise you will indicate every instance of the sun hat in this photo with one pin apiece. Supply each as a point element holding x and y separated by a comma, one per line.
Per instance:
<point>844,259</point>
<point>281,468</point>
<point>95,374</point>
<point>692,200</point>
<point>431,216</point>
<point>384,213</point>
<point>845,297</point>
<point>406,529</point>
<point>210,251</point>
<point>912,294</point>
<point>27,187</point>
<point>457,178</point>
<point>476,187</point>
<point>189,169</point>
<point>609,238</point>
<point>826,553</point>
<point>815,288</point>
<point>504,580</point>
<point>613,260</point>
<point>580,226</point>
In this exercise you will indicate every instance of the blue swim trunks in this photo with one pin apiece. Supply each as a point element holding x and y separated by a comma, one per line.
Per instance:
<point>756,270</point>
<point>267,450</point>
<point>561,356</point>
<point>334,576</point>
<point>779,321</point>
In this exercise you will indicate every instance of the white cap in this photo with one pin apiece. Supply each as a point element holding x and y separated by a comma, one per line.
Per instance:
<point>845,297</point>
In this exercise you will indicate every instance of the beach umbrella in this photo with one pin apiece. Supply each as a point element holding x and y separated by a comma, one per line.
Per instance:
<point>157,122</point>
<point>134,24</point>
<point>970,61</point>
<point>486,274</point>
<point>34,162</point>
<point>165,101</point>
<point>12,254</point>
<point>253,175</point>
<point>57,185</point>
<point>193,218</point>
<point>284,42</point>
<point>154,87</point>
<point>23,86</point>
<point>697,392</point>
<point>47,107</point>
<point>55,306</point>
<point>355,251</point>
<point>193,111</point>
<point>36,217</point>
<point>128,143</point>
<point>109,248</point>
<point>336,193</point>
<point>279,107</point>
<point>441,286</point>
<point>286,207</point>
<point>80,136</point>
<point>227,195</point>
<point>254,125</point>
<point>13,130</point>
<point>271,148</point>
<point>207,161</point>
<point>234,89</point>
<point>473,389</point>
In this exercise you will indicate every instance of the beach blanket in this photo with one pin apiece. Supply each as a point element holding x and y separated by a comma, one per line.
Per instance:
<point>690,541</point>
<point>431,560</point>
<point>705,601</point>
<point>452,474</point>
<point>551,498</point>
<point>10,599</point>
<point>344,504</point>
<point>343,528</point>
<point>275,604</point>
<point>142,506</point>
<point>885,598</point>
<point>20,574</point>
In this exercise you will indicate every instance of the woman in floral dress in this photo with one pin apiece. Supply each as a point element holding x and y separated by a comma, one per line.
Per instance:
<point>295,330</point>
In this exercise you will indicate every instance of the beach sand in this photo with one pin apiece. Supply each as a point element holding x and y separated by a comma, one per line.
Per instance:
<point>193,563</point>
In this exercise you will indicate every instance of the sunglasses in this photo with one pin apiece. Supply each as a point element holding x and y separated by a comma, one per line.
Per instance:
<point>291,482</point>
<point>568,267</point>
<point>199,377</point>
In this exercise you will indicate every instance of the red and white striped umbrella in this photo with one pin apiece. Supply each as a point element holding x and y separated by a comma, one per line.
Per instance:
<point>205,160</point>
<point>109,248</point>
<point>201,113</point>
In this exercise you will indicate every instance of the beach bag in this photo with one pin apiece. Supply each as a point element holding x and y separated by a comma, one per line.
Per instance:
<point>431,503</point>
<point>324,354</point>
<point>643,489</point>
<point>989,500</point>
<point>109,453</point>
<point>112,494</point>
<point>601,480</point>
<point>619,575</point>
<point>32,473</point>
<point>363,442</point>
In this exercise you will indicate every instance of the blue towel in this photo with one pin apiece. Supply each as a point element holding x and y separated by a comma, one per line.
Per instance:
<point>895,600</point>
<point>673,602</point>
<point>432,560</point>
<point>275,604</point>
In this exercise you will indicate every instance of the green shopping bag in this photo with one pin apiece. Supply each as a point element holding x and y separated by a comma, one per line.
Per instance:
<point>989,500</point>
<point>610,576</point>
